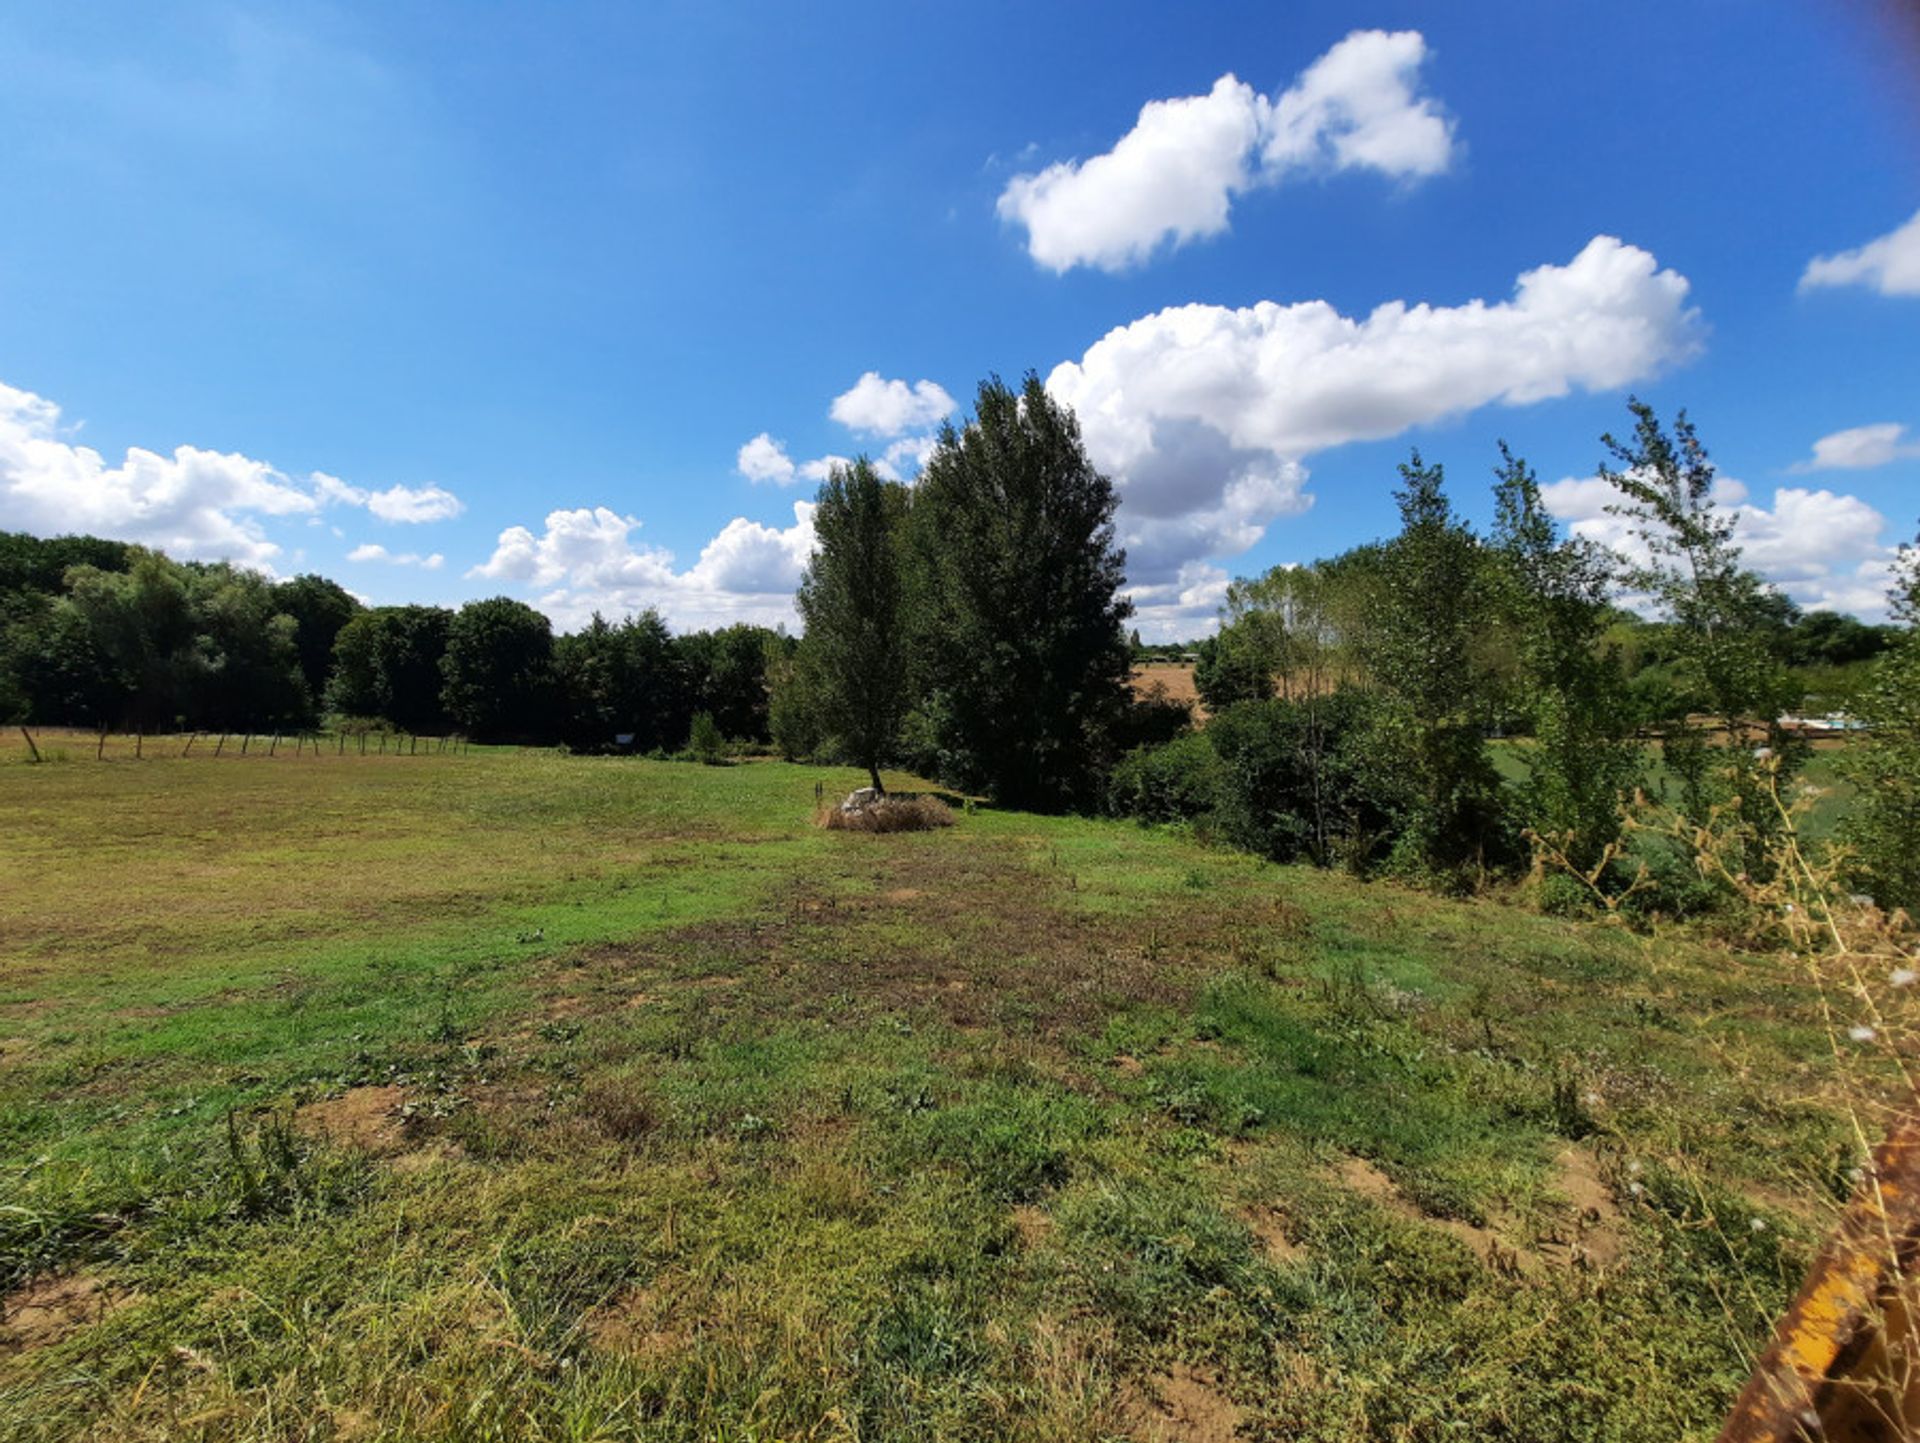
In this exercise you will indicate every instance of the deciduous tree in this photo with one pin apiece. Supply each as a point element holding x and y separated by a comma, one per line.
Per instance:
<point>852,601</point>
<point>1018,618</point>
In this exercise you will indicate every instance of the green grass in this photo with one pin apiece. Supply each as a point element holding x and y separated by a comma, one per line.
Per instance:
<point>716,1125</point>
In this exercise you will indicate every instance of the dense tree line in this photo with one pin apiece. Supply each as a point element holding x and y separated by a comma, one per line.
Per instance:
<point>102,634</point>
<point>1354,700</point>
<point>973,628</point>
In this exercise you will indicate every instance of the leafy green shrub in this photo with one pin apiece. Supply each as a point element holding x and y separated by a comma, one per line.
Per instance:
<point>1152,719</point>
<point>705,742</point>
<point>1296,779</point>
<point>1176,782</point>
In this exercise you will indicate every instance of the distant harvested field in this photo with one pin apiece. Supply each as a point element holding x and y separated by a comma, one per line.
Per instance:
<point>1175,676</point>
<point>501,1095</point>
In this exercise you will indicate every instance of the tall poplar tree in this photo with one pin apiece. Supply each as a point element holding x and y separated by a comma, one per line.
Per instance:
<point>1556,593</point>
<point>851,601</point>
<point>1019,642</point>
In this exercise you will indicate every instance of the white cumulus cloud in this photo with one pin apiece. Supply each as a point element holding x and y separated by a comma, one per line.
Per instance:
<point>586,559</point>
<point>1826,550</point>
<point>1181,609</point>
<point>765,459</point>
<point>1859,448</point>
<point>1889,265</point>
<point>374,551</point>
<point>1174,176</point>
<point>1204,414</point>
<point>873,406</point>
<point>192,503</point>
<point>887,408</point>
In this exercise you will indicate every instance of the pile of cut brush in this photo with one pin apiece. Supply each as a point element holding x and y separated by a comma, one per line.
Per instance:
<point>868,810</point>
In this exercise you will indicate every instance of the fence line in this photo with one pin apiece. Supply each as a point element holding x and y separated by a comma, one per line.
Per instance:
<point>46,746</point>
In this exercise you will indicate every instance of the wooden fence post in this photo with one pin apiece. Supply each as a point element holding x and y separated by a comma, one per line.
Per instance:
<point>137,739</point>
<point>219,744</point>
<point>101,750</point>
<point>189,746</point>
<point>245,738</point>
<point>30,746</point>
<point>273,744</point>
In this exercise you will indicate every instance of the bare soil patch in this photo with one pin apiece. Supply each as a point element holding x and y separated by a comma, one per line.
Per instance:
<point>363,1117</point>
<point>48,1309</point>
<point>1270,1228</point>
<point>1185,1405</point>
<point>1599,1230</point>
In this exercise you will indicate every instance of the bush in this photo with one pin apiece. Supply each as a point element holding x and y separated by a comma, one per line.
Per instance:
<point>1179,781</point>
<point>1297,779</point>
<point>705,742</point>
<point>1152,719</point>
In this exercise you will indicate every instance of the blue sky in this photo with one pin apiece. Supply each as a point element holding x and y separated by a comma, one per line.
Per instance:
<point>513,287</point>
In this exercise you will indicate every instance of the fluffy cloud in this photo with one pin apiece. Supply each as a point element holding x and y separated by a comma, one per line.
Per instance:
<point>1186,607</point>
<point>887,408</point>
<point>191,503</point>
<point>765,459</point>
<point>1825,550</point>
<point>586,560</point>
<point>1889,265</point>
<point>1861,447</point>
<point>873,406</point>
<point>373,551</point>
<point>1173,177</point>
<point>1203,414</point>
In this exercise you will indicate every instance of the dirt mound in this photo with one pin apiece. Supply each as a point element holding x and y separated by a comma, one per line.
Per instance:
<point>1361,1176</point>
<point>1599,1231</point>
<point>1596,1238</point>
<point>1271,1230</point>
<point>1185,1405</point>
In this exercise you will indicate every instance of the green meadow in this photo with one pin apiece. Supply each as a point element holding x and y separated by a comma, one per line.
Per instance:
<point>510,1095</point>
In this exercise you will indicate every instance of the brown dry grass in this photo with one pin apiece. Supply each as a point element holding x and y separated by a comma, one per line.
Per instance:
<point>1174,678</point>
<point>890,814</point>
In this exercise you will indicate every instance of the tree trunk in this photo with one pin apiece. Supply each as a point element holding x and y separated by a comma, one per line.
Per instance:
<point>873,770</point>
<point>30,746</point>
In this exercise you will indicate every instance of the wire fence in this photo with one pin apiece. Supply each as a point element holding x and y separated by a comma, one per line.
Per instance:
<point>65,744</point>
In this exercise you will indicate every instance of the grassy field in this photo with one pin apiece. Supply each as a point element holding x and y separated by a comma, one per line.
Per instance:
<point>514,1096</point>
